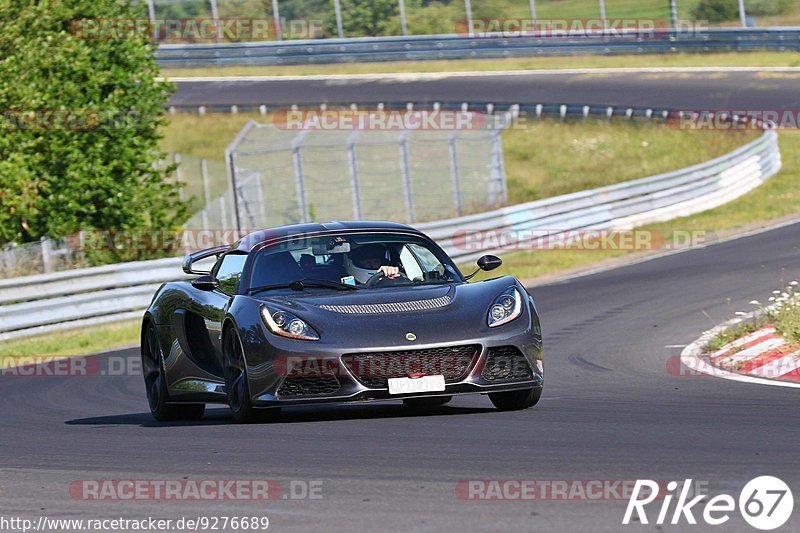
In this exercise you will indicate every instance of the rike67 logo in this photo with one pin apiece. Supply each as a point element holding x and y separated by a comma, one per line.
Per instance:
<point>765,503</point>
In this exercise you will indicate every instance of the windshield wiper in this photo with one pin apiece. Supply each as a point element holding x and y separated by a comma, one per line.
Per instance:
<point>300,284</point>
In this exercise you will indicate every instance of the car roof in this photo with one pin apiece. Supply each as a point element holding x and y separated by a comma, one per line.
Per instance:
<point>256,238</point>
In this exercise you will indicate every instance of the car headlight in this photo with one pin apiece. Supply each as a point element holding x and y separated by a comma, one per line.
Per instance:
<point>505,307</point>
<point>286,324</point>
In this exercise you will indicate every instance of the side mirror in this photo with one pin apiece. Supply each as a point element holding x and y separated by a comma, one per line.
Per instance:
<point>486,263</point>
<point>205,283</point>
<point>489,262</point>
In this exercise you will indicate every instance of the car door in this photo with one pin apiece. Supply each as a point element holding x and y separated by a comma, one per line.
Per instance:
<point>202,320</point>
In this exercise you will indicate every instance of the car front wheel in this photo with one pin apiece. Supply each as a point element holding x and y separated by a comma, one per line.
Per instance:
<point>237,386</point>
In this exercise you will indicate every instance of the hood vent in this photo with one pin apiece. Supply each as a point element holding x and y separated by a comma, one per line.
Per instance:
<point>393,307</point>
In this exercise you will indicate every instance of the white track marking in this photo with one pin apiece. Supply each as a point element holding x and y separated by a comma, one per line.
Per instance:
<point>431,76</point>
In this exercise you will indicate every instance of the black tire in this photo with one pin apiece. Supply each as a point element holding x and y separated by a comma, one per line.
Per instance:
<point>236,383</point>
<point>515,400</point>
<point>155,383</point>
<point>426,403</point>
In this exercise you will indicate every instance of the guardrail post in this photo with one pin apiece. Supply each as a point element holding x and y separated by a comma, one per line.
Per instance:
<point>352,162</point>
<point>337,8</point>
<point>406,171</point>
<point>276,15</point>
<point>454,176</point>
<point>47,263</point>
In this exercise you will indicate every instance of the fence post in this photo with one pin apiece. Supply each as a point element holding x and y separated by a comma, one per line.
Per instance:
<point>337,8</point>
<point>176,158</point>
<point>215,16</point>
<point>151,13</point>
<point>299,182</point>
<point>602,5</point>
<point>406,170</point>
<point>468,9</point>
<point>673,11</point>
<point>498,193</point>
<point>403,25</point>
<point>352,161</point>
<point>47,263</point>
<point>206,192</point>
<point>742,14</point>
<point>234,189</point>
<point>262,208</point>
<point>276,15</point>
<point>454,176</point>
<point>223,216</point>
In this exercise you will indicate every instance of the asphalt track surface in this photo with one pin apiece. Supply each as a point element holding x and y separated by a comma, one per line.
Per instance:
<point>610,411</point>
<point>693,90</point>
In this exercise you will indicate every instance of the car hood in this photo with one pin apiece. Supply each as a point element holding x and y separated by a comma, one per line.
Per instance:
<point>383,317</point>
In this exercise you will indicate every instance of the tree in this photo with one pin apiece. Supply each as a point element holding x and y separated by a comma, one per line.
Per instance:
<point>79,126</point>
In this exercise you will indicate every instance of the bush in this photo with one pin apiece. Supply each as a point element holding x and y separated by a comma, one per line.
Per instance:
<point>56,177</point>
<point>716,10</point>
<point>767,8</point>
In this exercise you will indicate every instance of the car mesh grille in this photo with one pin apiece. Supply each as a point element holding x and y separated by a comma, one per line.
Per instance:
<point>373,369</point>
<point>393,307</point>
<point>506,363</point>
<point>296,384</point>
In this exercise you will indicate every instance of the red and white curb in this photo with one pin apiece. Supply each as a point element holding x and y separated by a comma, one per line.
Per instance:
<point>762,357</point>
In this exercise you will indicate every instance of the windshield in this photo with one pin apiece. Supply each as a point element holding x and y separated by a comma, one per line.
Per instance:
<point>361,261</point>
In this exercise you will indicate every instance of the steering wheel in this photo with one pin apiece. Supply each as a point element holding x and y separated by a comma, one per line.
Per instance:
<point>379,277</point>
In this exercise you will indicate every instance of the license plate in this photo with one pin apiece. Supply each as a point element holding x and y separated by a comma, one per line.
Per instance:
<point>413,385</point>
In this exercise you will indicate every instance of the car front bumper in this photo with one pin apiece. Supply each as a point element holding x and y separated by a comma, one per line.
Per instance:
<point>267,375</point>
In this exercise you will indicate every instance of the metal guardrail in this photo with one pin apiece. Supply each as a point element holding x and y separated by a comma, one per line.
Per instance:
<point>623,205</point>
<point>52,302</point>
<point>432,47</point>
<point>76,298</point>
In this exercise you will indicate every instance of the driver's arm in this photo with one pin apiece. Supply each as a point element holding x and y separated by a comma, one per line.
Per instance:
<point>390,271</point>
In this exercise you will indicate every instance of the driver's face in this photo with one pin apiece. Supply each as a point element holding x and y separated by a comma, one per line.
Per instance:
<point>372,263</point>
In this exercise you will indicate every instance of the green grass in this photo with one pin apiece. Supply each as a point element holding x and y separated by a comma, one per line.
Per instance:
<point>724,337</point>
<point>782,311</point>
<point>750,59</point>
<point>84,341</point>
<point>550,158</point>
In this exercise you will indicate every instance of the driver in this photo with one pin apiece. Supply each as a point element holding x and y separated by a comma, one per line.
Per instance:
<point>369,259</point>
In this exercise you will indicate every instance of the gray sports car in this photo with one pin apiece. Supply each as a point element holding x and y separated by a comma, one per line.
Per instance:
<point>337,312</point>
